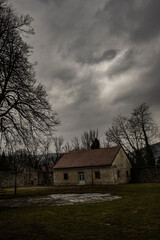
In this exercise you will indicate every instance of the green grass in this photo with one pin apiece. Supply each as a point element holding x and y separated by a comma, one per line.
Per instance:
<point>135,216</point>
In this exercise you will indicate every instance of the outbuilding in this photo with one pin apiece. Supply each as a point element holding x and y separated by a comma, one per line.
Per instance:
<point>93,167</point>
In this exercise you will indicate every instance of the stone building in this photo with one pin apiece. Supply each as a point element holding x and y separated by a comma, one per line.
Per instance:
<point>93,167</point>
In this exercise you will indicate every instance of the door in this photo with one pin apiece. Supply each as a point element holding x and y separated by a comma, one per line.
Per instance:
<point>81,178</point>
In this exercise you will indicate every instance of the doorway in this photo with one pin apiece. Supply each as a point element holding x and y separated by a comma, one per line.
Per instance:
<point>81,178</point>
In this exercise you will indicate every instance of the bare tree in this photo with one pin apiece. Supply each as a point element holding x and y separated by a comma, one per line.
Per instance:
<point>45,156</point>
<point>67,147</point>
<point>119,133</point>
<point>88,137</point>
<point>143,122</point>
<point>104,142</point>
<point>135,134</point>
<point>84,143</point>
<point>58,143</point>
<point>25,112</point>
<point>76,144</point>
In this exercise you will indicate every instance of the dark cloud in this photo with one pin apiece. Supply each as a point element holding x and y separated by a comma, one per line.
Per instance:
<point>148,22</point>
<point>151,82</point>
<point>57,2</point>
<point>65,74</point>
<point>90,59</point>
<point>144,89</point>
<point>109,55</point>
<point>44,1</point>
<point>138,20</point>
<point>87,92</point>
<point>123,64</point>
<point>86,44</point>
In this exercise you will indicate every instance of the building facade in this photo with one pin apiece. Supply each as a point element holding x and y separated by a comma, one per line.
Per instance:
<point>93,167</point>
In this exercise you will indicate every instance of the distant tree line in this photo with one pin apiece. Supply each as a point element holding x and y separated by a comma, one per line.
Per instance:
<point>88,140</point>
<point>22,159</point>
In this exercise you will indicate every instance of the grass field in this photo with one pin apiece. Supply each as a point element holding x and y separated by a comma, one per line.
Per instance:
<point>135,216</point>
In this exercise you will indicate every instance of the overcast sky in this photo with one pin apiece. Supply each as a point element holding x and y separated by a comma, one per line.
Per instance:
<point>97,58</point>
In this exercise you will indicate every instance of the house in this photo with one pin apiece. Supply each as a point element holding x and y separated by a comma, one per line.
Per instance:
<point>93,167</point>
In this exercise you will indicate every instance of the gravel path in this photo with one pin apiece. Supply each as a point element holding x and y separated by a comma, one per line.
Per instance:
<point>57,200</point>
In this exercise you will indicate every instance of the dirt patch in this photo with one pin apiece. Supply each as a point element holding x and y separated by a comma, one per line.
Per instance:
<point>57,200</point>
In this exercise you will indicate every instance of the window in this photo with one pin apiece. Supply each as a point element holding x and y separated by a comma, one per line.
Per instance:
<point>97,175</point>
<point>118,173</point>
<point>127,174</point>
<point>65,176</point>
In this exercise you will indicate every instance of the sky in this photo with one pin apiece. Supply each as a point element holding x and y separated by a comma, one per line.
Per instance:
<point>96,58</point>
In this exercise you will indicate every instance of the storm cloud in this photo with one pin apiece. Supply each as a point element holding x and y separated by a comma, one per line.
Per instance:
<point>96,58</point>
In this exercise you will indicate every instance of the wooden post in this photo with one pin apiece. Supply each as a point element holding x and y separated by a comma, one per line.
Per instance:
<point>15,181</point>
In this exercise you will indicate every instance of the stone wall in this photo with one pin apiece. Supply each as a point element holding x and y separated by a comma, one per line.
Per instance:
<point>146,175</point>
<point>7,179</point>
<point>24,178</point>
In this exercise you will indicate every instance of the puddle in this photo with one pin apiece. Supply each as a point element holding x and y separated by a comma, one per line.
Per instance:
<point>57,200</point>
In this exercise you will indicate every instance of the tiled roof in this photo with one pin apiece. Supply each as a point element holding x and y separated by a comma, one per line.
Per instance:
<point>87,158</point>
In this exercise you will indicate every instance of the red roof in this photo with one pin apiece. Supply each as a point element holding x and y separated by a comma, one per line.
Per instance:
<point>88,158</point>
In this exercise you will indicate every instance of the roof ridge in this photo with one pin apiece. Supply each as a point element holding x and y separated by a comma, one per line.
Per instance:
<point>86,150</point>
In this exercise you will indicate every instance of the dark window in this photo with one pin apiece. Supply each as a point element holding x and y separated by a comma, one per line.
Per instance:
<point>118,173</point>
<point>97,175</point>
<point>127,174</point>
<point>65,176</point>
